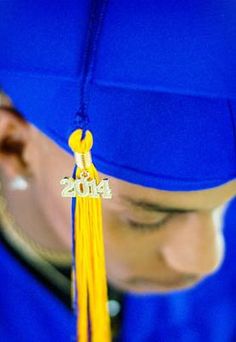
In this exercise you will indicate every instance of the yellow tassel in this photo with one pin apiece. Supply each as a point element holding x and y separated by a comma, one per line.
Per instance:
<point>90,275</point>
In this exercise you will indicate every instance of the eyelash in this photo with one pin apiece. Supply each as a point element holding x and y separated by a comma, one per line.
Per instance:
<point>152,226</point>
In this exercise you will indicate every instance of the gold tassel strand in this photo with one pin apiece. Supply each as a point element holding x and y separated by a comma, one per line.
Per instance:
<point>90,277</point>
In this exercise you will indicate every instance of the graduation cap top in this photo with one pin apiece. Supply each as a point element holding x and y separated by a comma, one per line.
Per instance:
<point>156,79</point>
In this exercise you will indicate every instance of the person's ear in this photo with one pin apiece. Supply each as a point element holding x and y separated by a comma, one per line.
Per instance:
<point>14,134</point>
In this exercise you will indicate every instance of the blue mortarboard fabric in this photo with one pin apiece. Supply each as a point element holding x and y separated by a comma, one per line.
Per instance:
<point>156,79</point>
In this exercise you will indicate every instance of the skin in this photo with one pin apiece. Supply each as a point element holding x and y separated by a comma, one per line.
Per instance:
<point>155,241</point>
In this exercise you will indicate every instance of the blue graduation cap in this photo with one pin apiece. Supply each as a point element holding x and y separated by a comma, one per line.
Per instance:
<point>156,80</point>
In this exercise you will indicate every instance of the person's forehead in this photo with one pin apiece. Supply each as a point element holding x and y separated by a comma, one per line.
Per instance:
<point>196,200</point>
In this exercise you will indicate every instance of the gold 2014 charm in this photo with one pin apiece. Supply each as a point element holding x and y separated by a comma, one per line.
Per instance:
<point>83,187</point>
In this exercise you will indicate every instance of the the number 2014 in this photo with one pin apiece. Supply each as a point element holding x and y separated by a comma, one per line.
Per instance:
<point>85,188</point>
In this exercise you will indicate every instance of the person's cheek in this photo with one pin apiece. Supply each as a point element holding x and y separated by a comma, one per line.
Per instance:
<point>115,246</point>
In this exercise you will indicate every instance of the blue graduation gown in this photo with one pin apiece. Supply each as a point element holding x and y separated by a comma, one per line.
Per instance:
<point>28,310</point>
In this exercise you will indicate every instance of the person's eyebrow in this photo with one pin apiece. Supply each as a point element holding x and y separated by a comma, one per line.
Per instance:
<point>151,206</point>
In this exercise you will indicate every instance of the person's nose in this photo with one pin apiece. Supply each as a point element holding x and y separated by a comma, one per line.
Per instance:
<point>195,245</point>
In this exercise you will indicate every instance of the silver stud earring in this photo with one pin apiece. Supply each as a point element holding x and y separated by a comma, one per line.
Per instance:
<point>19,183</point>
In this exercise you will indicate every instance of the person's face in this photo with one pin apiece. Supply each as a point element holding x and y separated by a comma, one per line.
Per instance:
<point>160,241</point>
<point>155,241</point>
